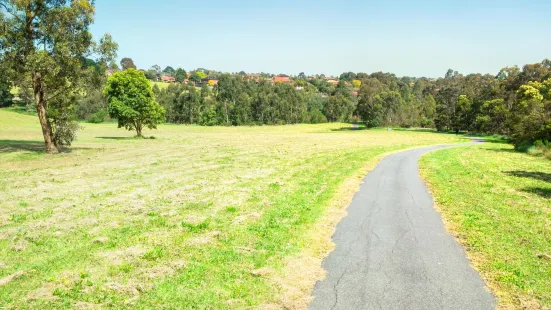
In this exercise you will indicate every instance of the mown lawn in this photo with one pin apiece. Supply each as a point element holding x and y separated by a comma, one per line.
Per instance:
<point>498,203</point>
<point>161,85</point>
<point>199,217</point>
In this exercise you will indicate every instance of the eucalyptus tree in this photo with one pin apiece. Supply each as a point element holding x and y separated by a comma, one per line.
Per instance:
<point>43,44</point>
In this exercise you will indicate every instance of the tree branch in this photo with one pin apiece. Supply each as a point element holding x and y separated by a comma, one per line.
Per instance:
<point>61,91</point>
<point>4,5</point>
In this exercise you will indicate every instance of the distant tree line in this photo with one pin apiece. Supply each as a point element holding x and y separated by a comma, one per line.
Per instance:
<point>516,102</point>
<point>237,100</point>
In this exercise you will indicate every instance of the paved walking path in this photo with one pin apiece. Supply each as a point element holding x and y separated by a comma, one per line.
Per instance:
<point>393,251</point>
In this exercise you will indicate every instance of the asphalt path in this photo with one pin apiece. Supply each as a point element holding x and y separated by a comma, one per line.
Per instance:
<point>393,252</point>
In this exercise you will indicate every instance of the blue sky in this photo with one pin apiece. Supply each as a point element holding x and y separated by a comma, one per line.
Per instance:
<point>409,38</point>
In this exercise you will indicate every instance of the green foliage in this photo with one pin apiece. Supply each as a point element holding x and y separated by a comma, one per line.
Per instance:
<point>45,46</point>
<point>180,75</point>
<point>89,104</point>
<point>169,70</point>
<point>127,63</point>
<point>5,91</point>
<point>132,102</point>
<point>317,117</point>
<point>63,121</point>
<point>98,117</point>
<point>533,113</point>
<point>151,75</point>
<point>195,77</point>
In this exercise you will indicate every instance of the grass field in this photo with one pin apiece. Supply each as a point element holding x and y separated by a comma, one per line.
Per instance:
<point>498,203</point>
<point>195,218</point>
<point>161,85</point>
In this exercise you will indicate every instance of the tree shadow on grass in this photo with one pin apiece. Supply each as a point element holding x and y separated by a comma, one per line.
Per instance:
<point>543,192</point>
<point>116,138</point>
<point>348,129</point>
<point>536,175</point>
<point>11,146</point>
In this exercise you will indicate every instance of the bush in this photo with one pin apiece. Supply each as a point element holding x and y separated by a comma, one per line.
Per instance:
<point>523,146</point>
<point>90,104</point>
<point>65,130</point>
<point>316,117</point>
<point>98,117</point>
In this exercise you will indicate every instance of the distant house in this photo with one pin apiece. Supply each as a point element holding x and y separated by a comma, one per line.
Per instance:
<point>253,77</point>
<point>282,79</point>
<point>168,79</point>
<point>333,82</point>
<point>208,81</point>
<point>355,93</point>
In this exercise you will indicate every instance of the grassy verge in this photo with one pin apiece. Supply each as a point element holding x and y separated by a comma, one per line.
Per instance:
<point>161,85</point>
<point>498,203</point>
<point>200,217</point>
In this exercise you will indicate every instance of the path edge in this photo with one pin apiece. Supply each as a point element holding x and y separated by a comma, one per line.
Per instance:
<point>296,280</point>
<point>449,226</point>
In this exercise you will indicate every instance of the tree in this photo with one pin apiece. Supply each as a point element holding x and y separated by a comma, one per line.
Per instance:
<point>347,76</point>
<point>132,102</point>
<point>127,63</point>
<point>113,66</point>
<point>370,111</point>
<point>532,112</point>
<point>201,74</point>
<point>151,75</point>
<point>42,44</point>
<point>180,75</point>
<point>169,70</point>
<point>5,87</point>
<point>356,83</point>
<point>195,77</point>
<point>156,68</point>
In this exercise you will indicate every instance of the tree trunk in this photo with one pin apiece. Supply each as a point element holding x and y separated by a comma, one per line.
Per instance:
<point>226,111</point>
<point>139,129</point>
<point>41,108</point>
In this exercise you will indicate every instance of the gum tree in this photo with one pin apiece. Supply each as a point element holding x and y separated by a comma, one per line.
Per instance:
<point>43,44</point>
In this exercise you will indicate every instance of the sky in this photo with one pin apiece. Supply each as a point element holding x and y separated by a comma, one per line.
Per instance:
<point>408,38</point>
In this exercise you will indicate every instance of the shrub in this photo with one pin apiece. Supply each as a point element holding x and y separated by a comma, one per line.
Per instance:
<point>317,117</point>
<point>98,117</point>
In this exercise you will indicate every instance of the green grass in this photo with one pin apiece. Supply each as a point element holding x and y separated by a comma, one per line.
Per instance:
<point>498,202</point>
<point>161,85</point>
<point>180,221</point>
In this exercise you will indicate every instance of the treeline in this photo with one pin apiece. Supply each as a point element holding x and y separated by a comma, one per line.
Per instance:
<point>516,102</point>
<point>237,100</point>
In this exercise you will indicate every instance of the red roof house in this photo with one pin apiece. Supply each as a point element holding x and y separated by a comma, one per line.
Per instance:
<point>168,79</point>
<point>282,79</point>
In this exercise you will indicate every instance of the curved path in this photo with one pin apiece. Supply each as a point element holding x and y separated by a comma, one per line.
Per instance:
<point>393,252</point>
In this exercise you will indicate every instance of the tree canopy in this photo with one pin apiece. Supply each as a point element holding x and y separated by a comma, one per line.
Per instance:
<point>132,102</point>
<point>127,63</point>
